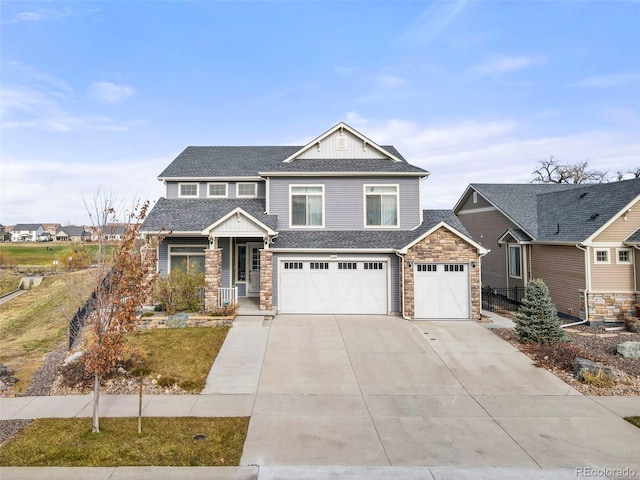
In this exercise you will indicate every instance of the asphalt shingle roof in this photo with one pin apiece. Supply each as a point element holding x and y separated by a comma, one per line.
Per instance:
<point>576,214</point>
<point>208,162</point>
<point>26,227</point>
<point>341,239</point>
<point>634,237</point>
<point>194,215</point>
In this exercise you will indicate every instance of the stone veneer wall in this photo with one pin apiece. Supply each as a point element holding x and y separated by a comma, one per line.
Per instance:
<point>212,277</point>
<point>442,246</point>
<point>610,307</point>
<point>266,279</point>
<point>150,257</point>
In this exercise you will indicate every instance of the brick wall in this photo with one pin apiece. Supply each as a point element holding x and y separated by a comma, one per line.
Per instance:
<point>442,246</point>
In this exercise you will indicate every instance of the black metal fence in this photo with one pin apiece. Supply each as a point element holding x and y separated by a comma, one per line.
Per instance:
<point>79,319</point>
<point>502,298</point>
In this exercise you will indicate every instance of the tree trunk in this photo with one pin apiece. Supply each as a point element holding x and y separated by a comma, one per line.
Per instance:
<point>96,402</point>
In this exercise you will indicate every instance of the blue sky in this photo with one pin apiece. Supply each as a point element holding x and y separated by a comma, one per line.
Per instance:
<point>103,95</point>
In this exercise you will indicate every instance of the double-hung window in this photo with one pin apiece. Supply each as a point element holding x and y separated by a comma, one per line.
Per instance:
<point>188,190</point>
<point>381,203</point>
<point>515,261</point>
<point>307,205</point>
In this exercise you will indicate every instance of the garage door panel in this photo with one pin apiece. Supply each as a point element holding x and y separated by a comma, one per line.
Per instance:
<point>372,294</point>
<point>441,291</point>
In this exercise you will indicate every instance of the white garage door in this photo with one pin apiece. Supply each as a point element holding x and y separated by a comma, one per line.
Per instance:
<point>441,290</point>
<point>321,286</point>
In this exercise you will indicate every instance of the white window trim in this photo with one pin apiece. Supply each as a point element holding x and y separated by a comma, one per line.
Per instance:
<point>180,184</point>
<point>509,262</point>
<point>364,204</point>
<point>255,189</point>
<point>170,253</point>
<point>595,256</point>
<point>226,190</point>
<point>628,262</point>
<point>291,187</point>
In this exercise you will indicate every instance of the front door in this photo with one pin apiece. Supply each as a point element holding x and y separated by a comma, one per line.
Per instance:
<point>253,266</point>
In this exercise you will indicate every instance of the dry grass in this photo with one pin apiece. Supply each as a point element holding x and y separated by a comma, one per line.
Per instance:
<point>163,442</point>
<point>9,281</point>
<point>180,355</point>
<point>36,323</point>
<point>634,421</point>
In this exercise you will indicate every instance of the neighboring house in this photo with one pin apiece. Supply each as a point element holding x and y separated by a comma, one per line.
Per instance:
<point>113,232</point>
<point>5,236</point>
<point>72,233</point>
<point>51,228</point>
<point>26,232</point>
<point>335,226</point>
<point>582,240</point>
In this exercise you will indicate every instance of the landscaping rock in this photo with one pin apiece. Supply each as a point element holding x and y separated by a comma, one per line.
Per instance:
<point>629,349</point>
<point>178,320</point>
<point>6,378</point>
<point>582,364</point>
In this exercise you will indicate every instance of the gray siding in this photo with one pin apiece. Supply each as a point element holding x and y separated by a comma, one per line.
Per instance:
<point>173,192</point>
<point>344,200</point>
<point>468,204</point>
<point>328,149</point>
<point>163,251</point>
<point>225,245</point>
<point>393,265</point>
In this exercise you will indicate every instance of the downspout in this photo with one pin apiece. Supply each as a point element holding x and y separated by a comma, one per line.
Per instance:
<point>404,313</point>
<point>587,276</point>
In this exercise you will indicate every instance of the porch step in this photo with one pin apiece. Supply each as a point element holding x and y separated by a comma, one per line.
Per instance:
<point>248,321</point>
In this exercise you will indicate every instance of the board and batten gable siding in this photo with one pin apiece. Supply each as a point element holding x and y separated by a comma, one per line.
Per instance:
<point>612,276</point>
<point>344,200</point>
<point>486,228</point>
<point>328,149</point>
<point>163,250</point>
<point>394,271</point>
<point>622,227</point>
<point>562,270</point>
<point>173,191</point>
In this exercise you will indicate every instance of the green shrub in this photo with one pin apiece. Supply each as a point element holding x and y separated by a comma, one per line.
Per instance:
<point>166,382</point>
<point>180,291</point>
<point>537,319</point>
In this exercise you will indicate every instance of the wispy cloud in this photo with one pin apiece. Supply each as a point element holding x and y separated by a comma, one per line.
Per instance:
<point>500,64</point>
<point>433,21</point>
<point>608,81</point>
<point>110,92</point>
<point>391,81</point>
<point>39,15</point>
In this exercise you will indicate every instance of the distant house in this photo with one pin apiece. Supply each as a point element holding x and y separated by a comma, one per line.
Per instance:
<point>72,233</point>
<point>582,240</point>
<point>51,228</point>
<point>5,235</point>
<point>114,232</point>
<point>26,232</point>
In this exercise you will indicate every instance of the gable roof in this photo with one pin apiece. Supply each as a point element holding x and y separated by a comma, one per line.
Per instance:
<point>169,214</point>
<point>72,231</point>
<point>253,162</point>
<point>27,227</point>
<point>633,238</point>
<point>579,214</point>
<point>559,212</point>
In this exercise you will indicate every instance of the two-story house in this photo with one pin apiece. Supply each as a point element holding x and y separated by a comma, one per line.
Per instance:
<point>335,226</point>
<point>26,232</point>
<point>582,240</point>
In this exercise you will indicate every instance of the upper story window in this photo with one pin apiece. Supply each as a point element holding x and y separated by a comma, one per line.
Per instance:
<point>624,255</point>
<point>515,261</point>
<point>188,189</point>
<point>601,255</point>
<point>381,203</point>
<point>217,190</point>
<point>246,190</point>
<point>307,202</point>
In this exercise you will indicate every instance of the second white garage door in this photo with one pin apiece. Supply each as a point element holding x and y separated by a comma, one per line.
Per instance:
<point>441,290</point>
<point>321,286</point>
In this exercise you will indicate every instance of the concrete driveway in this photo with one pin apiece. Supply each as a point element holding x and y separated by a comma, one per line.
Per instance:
<point>379,391</point>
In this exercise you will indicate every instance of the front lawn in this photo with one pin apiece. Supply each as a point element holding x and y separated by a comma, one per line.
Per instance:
<point>185,441</point>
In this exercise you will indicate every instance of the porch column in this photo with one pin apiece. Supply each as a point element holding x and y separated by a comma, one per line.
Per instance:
<point>149,259</point>
<point>212,276</point>
<point>266,279</point>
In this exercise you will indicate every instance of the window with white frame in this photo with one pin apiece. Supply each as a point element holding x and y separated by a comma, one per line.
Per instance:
<point>188,189</point>
<point>186,258</point>
<point>217,190</point>
<point>381,203</point>
<point>246,190</point>
<point>601,255</point>
<point>623,255</point>
<point>515,261</point>
<point>307,205</point>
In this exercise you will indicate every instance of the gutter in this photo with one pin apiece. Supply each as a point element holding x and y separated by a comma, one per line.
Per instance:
<point>587,276</point>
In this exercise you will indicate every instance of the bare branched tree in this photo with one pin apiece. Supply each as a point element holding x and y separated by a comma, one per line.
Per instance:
<point>123,282</point>
<point>550,171</point>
